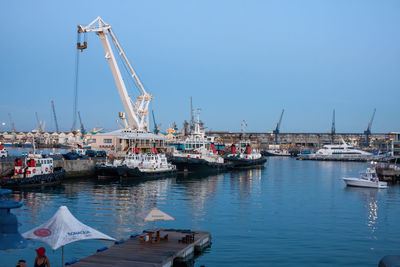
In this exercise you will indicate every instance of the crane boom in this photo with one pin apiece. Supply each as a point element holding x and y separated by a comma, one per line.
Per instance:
<point>54,115</point>
<point>156,130</point>
<point>137,113</point>
<point>278,125</point>
<point>370,122</point>
<point>367,132</point>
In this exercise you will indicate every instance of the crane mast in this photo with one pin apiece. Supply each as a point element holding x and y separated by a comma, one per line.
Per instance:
<point>138,117</point>
<point>333,129</point>
<point>12,123</point>
<point>54,115</point>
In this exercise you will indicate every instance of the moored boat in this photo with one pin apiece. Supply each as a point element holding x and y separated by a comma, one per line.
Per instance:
<point>367,179</point>
<point>244,156</point>
<point>35,170</point>
<point>338,152</point>
<point>198,153</point>
<point>277,150</point>
<point>137,165</point>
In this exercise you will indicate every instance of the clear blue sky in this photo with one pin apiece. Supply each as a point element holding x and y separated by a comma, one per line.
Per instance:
<point>240,60</point>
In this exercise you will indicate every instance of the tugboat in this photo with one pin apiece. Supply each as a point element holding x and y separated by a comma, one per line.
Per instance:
<point>108,169</point>
<point>137,165</point>
<point>199,153</point>
<point>36,170</point>
<point>150,164</point>
<point>244,156</point>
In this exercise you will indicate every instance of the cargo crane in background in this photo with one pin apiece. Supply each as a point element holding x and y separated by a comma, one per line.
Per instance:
<point>137,113</point>
<point>367,132</point>
<point>156,127</point>
<point>278,125</point>
<point>54,115</point>
<point>83,131</point>
<point>333,129</point>
<point>40,124</point>
<point>12,123</point>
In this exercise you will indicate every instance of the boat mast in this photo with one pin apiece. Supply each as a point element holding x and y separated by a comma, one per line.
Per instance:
<point>137,113</point>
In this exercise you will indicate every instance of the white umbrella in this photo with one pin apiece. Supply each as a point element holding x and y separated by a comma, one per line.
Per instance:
<point>156,215</point>
<point>63,228</point>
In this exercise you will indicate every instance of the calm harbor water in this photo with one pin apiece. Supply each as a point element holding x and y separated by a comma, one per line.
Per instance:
<point>290,213</point>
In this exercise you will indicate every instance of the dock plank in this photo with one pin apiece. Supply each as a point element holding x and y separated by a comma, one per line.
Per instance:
<point>134,253</point>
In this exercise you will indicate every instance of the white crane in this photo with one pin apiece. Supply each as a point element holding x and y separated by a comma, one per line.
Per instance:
<point>137,112</point>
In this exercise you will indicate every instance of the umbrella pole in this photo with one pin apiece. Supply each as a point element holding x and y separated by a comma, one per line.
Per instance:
<point>62,256</point>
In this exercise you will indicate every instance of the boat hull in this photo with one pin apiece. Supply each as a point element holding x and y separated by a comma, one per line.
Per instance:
<point>276,154</point>
<point>37,180</point>
<point>198,165</point>
<point>124,171</point>
<point>246,163</point>
<point>356,182</point>
<point>103,171</point>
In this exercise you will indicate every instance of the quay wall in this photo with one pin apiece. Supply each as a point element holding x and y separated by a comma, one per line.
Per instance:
<point>309,140</point>
<point>79,167</point>
<point>73,168</point>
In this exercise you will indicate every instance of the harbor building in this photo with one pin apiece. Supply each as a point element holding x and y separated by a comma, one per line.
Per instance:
<point>118,142</point>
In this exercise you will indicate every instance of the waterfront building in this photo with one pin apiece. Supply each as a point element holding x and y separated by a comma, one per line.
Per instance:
<point>119,141</point>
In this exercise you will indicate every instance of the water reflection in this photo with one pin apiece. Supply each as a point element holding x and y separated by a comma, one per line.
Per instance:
<point>369,197</point>
<point>300,212</point>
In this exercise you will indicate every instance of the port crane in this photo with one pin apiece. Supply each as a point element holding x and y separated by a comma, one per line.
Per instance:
<point>278,125</point>
<point>137,113</point>
<point>12,123</point>
<point>333,129</point>
<point>83,131</point>
<point>54,115</point>
<point>367,132</point>
<point>40,124</point>
<point>156,127</point>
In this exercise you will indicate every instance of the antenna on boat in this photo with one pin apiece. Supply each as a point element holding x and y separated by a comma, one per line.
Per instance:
<point>191,127</point>
<point>33,144</point>
<point>244,125</point>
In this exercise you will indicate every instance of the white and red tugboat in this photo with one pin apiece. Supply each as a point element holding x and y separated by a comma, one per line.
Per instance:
<point>243,156</point>
<point>34,170</point>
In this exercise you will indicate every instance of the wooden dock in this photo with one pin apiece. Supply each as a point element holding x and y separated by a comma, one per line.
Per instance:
<point>135,252</point>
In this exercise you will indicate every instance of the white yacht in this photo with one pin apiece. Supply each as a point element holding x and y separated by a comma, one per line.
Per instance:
<point>366,179</point>
<point>343,150</point>
<point>338,152</point>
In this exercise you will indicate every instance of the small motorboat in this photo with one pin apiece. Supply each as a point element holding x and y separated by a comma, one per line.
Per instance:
<point>366,179</point>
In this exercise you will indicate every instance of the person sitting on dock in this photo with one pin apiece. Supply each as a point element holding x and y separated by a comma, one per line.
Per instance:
<point>41,260</point>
